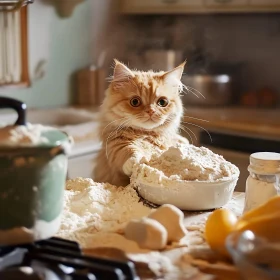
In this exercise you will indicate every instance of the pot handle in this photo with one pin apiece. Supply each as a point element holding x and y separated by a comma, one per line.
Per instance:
<point>18,106</point>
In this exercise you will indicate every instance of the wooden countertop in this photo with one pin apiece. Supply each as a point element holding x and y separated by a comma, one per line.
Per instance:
<point>261,123</point>
<point>194,251</point>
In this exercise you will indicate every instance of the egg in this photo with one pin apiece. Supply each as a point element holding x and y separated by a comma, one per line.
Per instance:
<point>218,226</point>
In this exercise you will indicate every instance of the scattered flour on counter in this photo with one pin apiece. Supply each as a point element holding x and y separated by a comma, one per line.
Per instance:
<point>187,163</point>
<point>91,208</point>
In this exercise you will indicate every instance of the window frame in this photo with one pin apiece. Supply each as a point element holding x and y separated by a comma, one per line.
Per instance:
<point>25,80</point>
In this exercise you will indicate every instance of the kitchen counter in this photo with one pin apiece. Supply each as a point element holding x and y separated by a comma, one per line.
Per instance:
<point>260,123</point>
<point>196,253</point>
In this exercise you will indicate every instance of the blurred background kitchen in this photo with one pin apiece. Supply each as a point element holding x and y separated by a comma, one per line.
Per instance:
<point>55,55</point>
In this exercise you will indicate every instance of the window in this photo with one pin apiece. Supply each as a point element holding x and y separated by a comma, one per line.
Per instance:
<point>13,48</point>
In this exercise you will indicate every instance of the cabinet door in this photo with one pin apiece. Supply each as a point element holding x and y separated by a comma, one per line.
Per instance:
<point>265,2</point>
<point>221,3</point>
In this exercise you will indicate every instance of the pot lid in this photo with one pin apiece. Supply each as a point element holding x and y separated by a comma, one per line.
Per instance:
<point>23,134</point>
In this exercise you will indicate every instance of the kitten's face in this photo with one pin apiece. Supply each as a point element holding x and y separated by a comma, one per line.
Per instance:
<point>145,100</point>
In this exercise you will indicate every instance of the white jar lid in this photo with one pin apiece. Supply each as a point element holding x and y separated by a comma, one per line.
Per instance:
<point>264,163</point>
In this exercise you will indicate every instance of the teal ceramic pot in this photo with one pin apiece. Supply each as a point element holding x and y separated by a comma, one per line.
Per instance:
<point>32,179</point>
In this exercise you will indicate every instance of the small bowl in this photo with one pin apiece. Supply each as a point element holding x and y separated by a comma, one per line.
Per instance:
<point>190,195</point>
<point>256,258</point>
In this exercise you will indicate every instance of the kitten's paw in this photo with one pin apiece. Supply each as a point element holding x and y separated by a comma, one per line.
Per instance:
<point>128,165</point>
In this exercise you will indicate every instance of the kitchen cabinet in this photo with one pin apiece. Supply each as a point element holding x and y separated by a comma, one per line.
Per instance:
<point>198,6</point>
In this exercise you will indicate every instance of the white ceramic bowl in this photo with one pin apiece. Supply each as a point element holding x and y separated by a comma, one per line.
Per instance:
<point>188,195</point>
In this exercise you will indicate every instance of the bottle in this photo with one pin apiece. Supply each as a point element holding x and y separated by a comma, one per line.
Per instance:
<point>264,179</point>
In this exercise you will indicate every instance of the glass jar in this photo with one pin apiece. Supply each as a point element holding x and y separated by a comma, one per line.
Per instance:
<point>264,179</point>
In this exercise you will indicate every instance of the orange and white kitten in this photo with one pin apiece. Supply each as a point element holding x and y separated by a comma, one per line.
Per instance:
<point>141,112</point>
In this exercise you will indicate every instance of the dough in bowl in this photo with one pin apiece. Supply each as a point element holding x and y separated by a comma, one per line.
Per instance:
<point>184,163</point>
<point>189,177</point>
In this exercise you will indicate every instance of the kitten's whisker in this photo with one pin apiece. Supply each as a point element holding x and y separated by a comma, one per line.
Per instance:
<point>112,132</point>
<point>126,127</point>
<point>116,128</point>
<point>190,92</point>
<point>179,86</point>
<point>121,126</point>
<point>112,123</point>
<point>187,133</point>
<point>107,139</point>
<point>185,116</point>
<point>106,145</point>
<point>190,131</point>
<point>110,78</point>
<point>106,148</point>
<point>195,90</point>
<point>116,131</point>
<point>201,128</point>
<point>138,116</point>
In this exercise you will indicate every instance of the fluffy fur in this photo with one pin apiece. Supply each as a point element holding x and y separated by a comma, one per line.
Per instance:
<point>128,132</point>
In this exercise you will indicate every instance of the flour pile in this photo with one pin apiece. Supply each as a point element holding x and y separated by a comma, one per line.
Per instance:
<point>91,208</point>
<point>24,135</point>
<point>184,162</point>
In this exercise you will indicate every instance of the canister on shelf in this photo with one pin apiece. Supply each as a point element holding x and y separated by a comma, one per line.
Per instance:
<point>91,86</point>
<point>264,179</point>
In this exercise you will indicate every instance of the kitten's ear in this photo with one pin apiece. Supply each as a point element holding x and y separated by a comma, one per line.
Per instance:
<point>121,72</point>
<point>173,77</point>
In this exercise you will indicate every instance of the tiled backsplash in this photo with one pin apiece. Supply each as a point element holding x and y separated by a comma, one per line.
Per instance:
<point>253,40</point>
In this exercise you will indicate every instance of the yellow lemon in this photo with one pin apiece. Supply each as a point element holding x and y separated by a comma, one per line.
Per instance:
<point>270,207</point>
<point>218,226</point>
<point>266,226</point>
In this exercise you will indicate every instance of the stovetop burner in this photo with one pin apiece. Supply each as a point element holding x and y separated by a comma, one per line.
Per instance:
<point>59,259</point>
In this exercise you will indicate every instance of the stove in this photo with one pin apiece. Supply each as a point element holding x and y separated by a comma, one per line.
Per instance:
<point>59,259</point>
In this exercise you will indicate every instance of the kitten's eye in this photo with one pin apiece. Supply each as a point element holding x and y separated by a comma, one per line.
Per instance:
<point>163,102</point>
<point>135,101</point>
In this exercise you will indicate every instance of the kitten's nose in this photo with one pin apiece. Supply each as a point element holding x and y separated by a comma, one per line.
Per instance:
<point>150,111</point>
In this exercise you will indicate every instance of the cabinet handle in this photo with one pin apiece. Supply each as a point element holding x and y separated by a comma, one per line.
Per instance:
<point>169,1</point>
